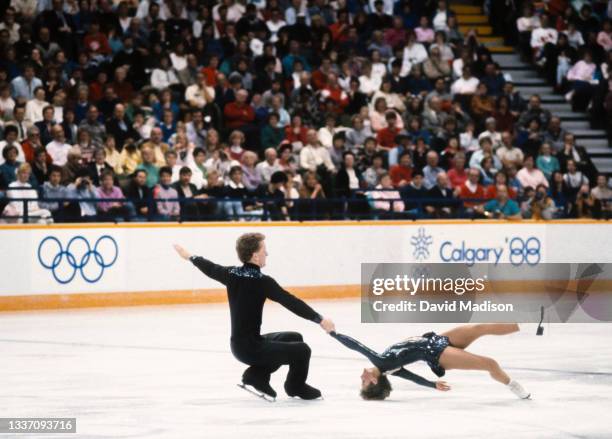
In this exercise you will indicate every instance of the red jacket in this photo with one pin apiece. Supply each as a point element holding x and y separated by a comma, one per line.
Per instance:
<point>386,137</point>
<point>399,173</point>
<point>237,115</point>
<point>464,193</point>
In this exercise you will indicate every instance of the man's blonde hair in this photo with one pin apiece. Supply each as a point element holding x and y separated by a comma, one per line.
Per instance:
<point>247,245</point>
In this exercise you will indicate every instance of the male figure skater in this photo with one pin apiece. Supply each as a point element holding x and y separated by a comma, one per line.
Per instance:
<point>247,290</point>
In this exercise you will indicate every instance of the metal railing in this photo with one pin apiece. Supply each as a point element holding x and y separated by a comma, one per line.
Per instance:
<point>359,206</point>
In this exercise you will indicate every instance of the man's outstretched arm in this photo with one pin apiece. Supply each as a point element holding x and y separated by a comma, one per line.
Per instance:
<point>297,306</point>
<point>210,269</point>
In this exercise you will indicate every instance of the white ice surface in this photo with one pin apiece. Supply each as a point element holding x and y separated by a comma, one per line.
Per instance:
<point>166,372</point>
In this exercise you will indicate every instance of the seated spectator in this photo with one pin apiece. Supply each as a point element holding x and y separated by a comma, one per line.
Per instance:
<point>140,195</point>
<point>491,132</point>
<point>22,189</point>
<point>486,150</point>
<point>386,199</point>
<point>500,179</point>
<point>507,153</point>
<point>271,134</point>
<point>470,189</point>
<point>313,156</point>
<point>190,210</point>
<point>457,175</point>
<point>73,165</point>
<point>465,85</point>
<point>394,100</point>
<point>157,144</point>
<point>487,170</point>
<point>529,175</point>
<point>584,207</point>
<point>269,166</point>
<point>371,175</point>
<point>54,189</point>
<point>444,205</point>
<point>97,167</point>
<point>148,165</point>
<point>574,180</point>
<point>114,208</point>
<point>119,126</point>
<point>413,193</point>
<point>58,148</point>
<point>432,170</point>
<point>534,110</point>
<point>546,162</point>
<point>35,106</point>
<point>93,125</point>
<point>386,137</point>
<point>482,105</point>
<point>542,206</point>
<point>312,194</point>
<point>198,168</point>
<point>8,169</point>
<point>602,194</point>
<point>273,204</point>
<point>326,133</point>
<point>578,154</point>
<point>130,158</point>
<point>542,35</point>
<point>502,207</point>
<point>236,194</point>
<point>83,189</point>
<point>378,116</point>
<point>10,139</point>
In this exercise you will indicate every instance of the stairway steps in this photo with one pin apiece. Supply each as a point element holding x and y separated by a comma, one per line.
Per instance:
<point>529,82</point>
<point>466,9</point>
<point>589,133</point>
<point>491,39</point>
<point>572,125</point>
<point>569,115</point>
<point>472,19</point>
<point>480,30</point>
<point>518,74</point>
<point>601,152</point>
<point>551,98</point>
<point>501,49</point>
<point>528,90</point>
<point>596,143</point>
<point>561,108</point>
<point>603,165</point>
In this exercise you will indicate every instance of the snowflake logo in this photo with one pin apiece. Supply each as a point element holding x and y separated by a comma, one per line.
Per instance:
<point>421,242</point>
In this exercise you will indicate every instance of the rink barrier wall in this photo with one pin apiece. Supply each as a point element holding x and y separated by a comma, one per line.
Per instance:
<point>314,260</point>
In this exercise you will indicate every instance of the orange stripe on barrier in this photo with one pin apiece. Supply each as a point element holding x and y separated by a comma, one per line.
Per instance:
<point>93,300</point>
<point>289,224</point>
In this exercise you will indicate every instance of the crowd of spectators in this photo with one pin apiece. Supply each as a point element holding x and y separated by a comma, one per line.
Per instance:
<point>271,109</point>
<point>570,42</point>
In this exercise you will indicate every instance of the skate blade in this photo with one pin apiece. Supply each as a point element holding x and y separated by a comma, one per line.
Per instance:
<point>257,393</point>
<point>320,398</point>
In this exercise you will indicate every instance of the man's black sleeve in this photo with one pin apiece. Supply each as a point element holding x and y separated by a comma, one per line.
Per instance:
<point>275,292</point>
<point>406,374</point>
<point>375,358</point>
<point>210,269</point>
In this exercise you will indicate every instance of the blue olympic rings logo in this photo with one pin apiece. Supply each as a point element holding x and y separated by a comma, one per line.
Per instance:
<point>90,262</point>
<point>525,252</point>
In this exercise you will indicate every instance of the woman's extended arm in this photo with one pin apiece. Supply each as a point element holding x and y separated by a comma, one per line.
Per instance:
<point>376,359</point>
<point>406,374</point>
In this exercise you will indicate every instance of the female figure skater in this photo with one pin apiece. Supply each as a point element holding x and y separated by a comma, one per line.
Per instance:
<point>441,352</point>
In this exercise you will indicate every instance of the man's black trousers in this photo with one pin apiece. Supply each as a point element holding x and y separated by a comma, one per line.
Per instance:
<point>276,349</point>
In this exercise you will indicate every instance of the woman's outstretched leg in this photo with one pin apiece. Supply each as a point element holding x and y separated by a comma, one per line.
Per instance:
<point>455,358</point>
<point>463,336</point>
